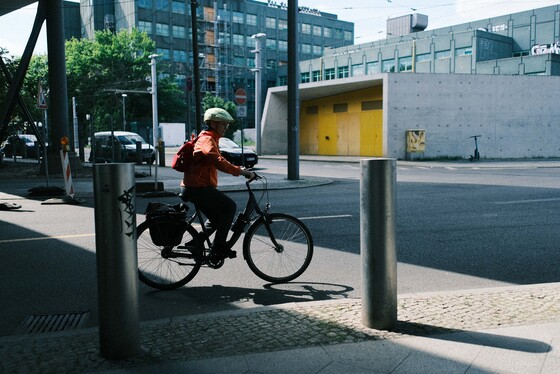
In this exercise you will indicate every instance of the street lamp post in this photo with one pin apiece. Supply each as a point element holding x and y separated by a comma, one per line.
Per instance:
<point>124,111</point>
<point>154,116</point>
<point>258,88</point>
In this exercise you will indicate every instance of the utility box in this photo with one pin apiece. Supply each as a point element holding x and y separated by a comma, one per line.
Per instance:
<point>415,142</point>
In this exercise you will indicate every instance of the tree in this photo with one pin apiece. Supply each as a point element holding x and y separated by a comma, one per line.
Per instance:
<point>211,101</point>
<point>98,72</point>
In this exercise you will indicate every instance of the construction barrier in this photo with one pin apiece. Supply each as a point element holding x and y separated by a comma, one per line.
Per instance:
<point>67,173</point>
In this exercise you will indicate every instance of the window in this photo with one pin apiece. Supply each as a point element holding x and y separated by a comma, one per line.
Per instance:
<point>340,108</point>
<point>271,23</point>
<point>327,32</point>
<point>405,64</point>
<point>282,45</point>
<point>338,33</point>
<point>348,36</point>
<point>179,31</point>
<point>238,17</point>
<point>145,26</point>
<point>147,4</point>
<point>357,70</point>
<point>162,4</point>
<point>282,24</point>
<point>343,72</point>
<point>306,28</point>
<point>162,29</point>
<point>252,19</point>
<point>181,80</point>
<point>372,68</point>
<point>311,110</point>
<point>372,105</point>
<point>282,81</point>
<point>177,7</point>
<point>442,54</point>
<point>239,40</point>
<point>179,56</point>
<point>329,74</point>
<point>306,48</point>
<point>305,77</point>
<point>317,50</point>
<point>271,43</point>
<point>317,31</point>
<point>316,76</point>
<point>163,52</point>
<point>388,66</point>
<point>271,64</point>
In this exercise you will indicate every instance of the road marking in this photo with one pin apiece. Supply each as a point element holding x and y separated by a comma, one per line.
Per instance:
<point>527,201</point>
<point>326,217</point>
<point>46,237</point>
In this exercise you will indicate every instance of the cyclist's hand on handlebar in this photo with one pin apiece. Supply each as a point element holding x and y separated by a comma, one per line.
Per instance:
<point>248,174</point>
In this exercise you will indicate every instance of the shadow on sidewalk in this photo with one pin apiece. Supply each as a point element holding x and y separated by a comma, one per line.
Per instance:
<point>511,343</point>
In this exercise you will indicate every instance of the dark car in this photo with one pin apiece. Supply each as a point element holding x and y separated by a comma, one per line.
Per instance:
<point>24,145</point>
<point>237,156</point>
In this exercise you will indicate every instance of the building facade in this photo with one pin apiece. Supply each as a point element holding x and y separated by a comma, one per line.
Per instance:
<point>497,78</point>
<point>225,39</point>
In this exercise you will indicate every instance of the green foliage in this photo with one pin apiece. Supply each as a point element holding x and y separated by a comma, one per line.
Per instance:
<point>211,101</point>
<point>98,71</point>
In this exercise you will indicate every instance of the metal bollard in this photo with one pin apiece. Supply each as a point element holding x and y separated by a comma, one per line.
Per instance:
<point>117,264</point>
<point>378,243</point>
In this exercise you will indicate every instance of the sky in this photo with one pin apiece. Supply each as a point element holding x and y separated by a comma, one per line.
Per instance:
<point>369,16</point>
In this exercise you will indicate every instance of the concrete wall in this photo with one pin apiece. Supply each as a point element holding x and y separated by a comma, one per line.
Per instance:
<point>517,116</point>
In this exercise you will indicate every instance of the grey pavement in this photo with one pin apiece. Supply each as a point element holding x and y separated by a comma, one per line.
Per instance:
<point>514,329</point>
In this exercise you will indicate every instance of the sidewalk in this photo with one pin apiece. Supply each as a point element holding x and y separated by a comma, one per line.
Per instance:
<point>513,329</point>
<point>501,330</point>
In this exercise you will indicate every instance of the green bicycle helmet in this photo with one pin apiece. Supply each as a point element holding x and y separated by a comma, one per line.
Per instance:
<point>218,114</point>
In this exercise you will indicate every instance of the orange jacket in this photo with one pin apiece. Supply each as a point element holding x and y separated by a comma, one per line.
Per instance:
<point>207,160</point>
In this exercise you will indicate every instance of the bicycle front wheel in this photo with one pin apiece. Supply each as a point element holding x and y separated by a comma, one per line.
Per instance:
<point>278,250</point>
<point>170,265</point>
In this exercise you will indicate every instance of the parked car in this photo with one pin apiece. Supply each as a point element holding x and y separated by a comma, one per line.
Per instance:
<point>125,142</point>
<point>237,156</point>
<point>24,145</point>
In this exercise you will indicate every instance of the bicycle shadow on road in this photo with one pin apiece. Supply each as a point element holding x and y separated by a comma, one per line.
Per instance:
<point>269,294</point>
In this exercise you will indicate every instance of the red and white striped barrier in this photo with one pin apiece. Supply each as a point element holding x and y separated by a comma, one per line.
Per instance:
<point>67,173</point>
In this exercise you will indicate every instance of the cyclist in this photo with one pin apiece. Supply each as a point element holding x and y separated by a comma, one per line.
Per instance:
<point>199,184</point>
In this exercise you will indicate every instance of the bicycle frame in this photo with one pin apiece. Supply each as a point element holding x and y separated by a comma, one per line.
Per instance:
<point>242,221</point>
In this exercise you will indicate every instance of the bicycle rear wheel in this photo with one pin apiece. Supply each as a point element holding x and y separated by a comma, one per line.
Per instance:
<point>167,267</point>
<point>284,262</point>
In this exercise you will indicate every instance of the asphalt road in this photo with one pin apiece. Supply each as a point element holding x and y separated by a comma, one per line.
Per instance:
<point>457,228</point>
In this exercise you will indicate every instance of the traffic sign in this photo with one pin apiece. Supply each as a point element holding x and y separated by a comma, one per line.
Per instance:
<point>241,111</point>
<point>240,96</point>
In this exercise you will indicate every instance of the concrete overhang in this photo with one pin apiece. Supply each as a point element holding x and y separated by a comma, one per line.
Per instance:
<point>9,6</point>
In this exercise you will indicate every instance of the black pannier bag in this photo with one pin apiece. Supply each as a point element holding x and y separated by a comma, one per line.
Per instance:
<point>169,223</point>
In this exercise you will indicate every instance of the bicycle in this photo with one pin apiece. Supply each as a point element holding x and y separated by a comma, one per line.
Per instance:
<point>277,247</point>
<point>476,155</point>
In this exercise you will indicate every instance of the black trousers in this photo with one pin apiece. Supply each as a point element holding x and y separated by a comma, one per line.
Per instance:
<point>216,206</point>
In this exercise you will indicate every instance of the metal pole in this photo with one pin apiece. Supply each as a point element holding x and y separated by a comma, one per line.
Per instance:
<point>258,89</point>
<point>293,91</point>
<point>117,264</point>
<point>378,243</point>
<point>124,111</point>
<point>155,118</point>
<point>196,68</point>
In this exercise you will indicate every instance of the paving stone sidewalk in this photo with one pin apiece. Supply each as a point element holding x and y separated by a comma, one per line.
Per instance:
<point>284,327</point>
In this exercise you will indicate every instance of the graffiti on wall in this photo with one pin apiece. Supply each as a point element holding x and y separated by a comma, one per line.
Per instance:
<point>415,140</point>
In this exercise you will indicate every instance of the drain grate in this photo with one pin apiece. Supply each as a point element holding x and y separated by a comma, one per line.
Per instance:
<point>35,324</point>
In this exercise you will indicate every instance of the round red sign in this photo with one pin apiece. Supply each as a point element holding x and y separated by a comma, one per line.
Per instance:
<point>240,96</point>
